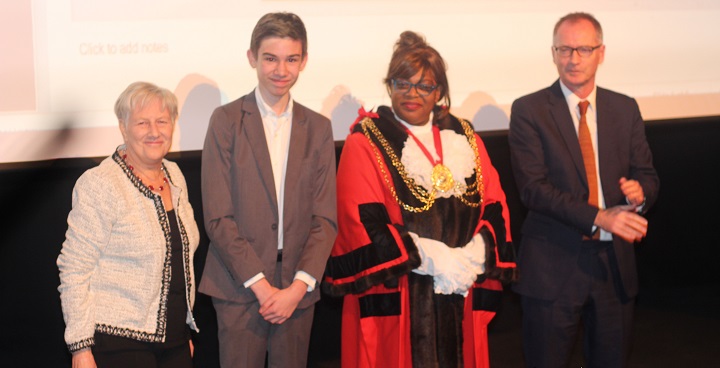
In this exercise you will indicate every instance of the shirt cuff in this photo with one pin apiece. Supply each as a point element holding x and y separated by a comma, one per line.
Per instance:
<point>253,280</point>
<point>639,207</point>
<point>306,278</point>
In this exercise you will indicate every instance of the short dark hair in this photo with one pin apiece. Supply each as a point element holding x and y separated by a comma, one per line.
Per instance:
<point>412,55</point>
<point>575,17</point>
<point>281,25</point>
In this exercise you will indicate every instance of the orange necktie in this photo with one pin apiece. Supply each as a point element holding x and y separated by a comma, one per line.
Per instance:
<point>588,155</point>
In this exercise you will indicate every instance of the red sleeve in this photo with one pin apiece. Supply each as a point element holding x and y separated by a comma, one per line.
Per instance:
<point>494,224</point>
<point>372,246</point>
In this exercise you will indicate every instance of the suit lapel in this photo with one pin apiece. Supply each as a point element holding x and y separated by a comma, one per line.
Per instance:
<point>253,127</point>
<point>605,136</point>
<point>566,127</point>
<point>296,151</point>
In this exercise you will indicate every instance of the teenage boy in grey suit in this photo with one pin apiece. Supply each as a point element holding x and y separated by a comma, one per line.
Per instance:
<point>268,186</point>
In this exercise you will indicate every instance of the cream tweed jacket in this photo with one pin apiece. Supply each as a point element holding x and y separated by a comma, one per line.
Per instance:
<point>115,261</point>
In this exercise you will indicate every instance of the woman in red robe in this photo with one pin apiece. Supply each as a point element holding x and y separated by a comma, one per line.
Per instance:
<point>424,234</point>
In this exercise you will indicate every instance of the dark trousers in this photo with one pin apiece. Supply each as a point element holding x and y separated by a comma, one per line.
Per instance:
<point>592,296</point>
<point>118,352</point>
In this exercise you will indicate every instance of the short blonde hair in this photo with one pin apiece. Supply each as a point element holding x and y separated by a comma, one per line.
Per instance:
<point>137,95</point>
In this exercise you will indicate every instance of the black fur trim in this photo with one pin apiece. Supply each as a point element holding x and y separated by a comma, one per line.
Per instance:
<point>502,250</point>
<point>379,305</point>
<point>382,249</point>
<point>486,299</point>
<point>493,214</point>
<point>385,276</point>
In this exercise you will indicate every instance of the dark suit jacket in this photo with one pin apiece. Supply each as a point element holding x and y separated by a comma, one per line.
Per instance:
<point>240,204</point>
<point>550,175</point>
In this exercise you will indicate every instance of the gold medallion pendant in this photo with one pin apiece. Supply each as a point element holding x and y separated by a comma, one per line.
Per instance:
<point>442,178</point>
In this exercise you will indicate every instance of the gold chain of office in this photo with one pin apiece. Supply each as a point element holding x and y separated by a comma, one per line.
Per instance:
<point>421,194</point>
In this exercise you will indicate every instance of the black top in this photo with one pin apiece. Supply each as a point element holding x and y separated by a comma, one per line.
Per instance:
<point>177,330</point>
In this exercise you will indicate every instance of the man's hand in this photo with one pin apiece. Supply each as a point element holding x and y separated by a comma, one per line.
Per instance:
<point>623,222</point>
<point>633,191</point>
<point>263,290</point>
<point>281,305</point>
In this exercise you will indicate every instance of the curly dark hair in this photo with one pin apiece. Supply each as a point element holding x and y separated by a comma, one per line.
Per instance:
<point>412,55</point>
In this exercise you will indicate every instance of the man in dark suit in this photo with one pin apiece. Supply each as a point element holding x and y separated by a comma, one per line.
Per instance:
<point>576,258</point>
<point>268,185</point>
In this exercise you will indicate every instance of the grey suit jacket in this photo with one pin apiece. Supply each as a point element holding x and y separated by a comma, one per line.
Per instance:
<point>240,204</point>
<point>550,175</point>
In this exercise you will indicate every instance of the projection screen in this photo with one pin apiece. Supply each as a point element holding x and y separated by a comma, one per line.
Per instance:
<point>64,62</point>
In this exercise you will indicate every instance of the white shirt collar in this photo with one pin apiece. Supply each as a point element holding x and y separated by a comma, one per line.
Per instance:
<point>266,110</point>
<point>573,100</point>
<point>417,129</point>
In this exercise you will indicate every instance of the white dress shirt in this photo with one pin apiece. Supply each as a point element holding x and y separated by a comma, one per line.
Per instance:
<point>591,118</point>
<point>278,128</point>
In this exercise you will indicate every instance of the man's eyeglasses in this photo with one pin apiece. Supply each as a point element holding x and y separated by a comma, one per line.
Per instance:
<point>403,86</point>
<point>583,51</point>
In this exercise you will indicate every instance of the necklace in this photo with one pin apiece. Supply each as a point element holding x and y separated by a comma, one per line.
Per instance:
<point>427,198</point>
<point>441,177</point>
<point>160,187</point>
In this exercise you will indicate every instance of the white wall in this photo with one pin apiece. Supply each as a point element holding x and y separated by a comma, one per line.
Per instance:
<point>64,62</point>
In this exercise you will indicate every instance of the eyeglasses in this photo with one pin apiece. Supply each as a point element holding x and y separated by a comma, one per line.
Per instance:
<point>583,51</point>
<point>403,86</point>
